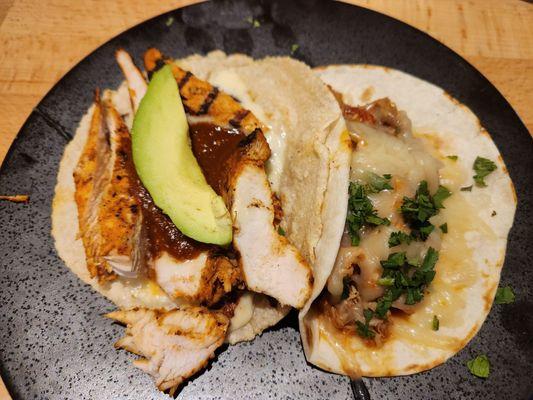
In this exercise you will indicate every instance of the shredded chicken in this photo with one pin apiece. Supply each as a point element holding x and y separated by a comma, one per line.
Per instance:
<point>381,114</point>
<point>175,344</point>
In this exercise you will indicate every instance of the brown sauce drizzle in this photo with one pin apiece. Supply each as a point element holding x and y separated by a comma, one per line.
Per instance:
<point>212,146</point>
<point>160,233</point>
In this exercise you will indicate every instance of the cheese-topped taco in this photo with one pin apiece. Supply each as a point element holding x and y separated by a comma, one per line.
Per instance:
<point>429,210</point>
<point>177,199</point>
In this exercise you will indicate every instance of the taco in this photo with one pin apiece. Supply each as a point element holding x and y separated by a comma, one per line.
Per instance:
<point>430,207</point>
<point>181,298</point>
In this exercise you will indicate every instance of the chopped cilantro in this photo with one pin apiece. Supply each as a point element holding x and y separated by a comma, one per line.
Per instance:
<point>479,366</point>
<point>378,183</point>
<point>385,302</point>
<point>504,295</point>
<point>364,330</point>
<point>361,212</point>
<point>169,21</point>
<point>452,157</point>
<point>440,195</point>
<point>399,237</point>
<point>395,260</point>
<point>444,227</point>
<point>418,210</point>
<point>403,276</point>
<point>482,168</point>
<point>254,22</point>
<point>281,231</point>
<point>430,260</point>
<point>467,188</point>
<point>389,281</point>
<point>294,48</point>
<point>435,323</point>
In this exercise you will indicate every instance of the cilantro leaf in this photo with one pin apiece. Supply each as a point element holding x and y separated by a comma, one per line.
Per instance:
<point>444,227</point>
<point>453,157</point>
<point>361,212</point>
<point>435,324</point>
<point>440,195</point>
<point>378,183</point>
<point>467,188</point>
<point>364,330</point>
<point>479,366</point>
<point>345,287</point>
<point>482,168</point>
<point>368,313</point>
<point>281,231</point>
<point>387,281</point>
<point>169,21</point>
<point>294,48</point>
<point>418,210</point>
<point>504,295</point>
<point>254,22</point>
<point>395,260</point>
<point>399,237</point>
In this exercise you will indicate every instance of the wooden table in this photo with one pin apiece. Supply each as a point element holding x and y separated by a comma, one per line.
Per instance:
<point>41,40</point>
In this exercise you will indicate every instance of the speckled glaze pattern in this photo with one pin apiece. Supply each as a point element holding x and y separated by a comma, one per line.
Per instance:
<point>54,341</point>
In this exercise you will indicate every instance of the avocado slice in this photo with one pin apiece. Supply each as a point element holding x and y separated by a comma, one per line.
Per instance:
<point>167,167</point>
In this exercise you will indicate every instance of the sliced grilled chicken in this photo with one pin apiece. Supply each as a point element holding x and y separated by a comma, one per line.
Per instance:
<point>109,216</point>
<point>202,278</point>
<point>175,344</point>
<point>270,264</point>
<point>136,82</point>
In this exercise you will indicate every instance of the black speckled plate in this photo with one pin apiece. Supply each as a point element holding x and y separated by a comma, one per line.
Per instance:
<point>54,342</point>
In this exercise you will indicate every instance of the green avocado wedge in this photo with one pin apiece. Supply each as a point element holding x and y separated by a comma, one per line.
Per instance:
<point>167,167</point>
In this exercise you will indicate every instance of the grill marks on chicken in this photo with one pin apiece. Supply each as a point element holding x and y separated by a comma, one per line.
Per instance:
<point>109,216</point>
<point>202,99</point>
<point>118,216</point>
<point>174,344</point>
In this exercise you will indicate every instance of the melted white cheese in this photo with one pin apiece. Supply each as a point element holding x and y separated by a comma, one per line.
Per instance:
<point>409,162</point>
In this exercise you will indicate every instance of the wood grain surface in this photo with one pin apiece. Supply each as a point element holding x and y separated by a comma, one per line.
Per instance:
<point>41,40</point>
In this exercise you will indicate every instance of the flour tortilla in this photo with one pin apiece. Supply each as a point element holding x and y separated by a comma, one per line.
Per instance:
<point>451,129</point>
<point>309,167</point>
<point>311,174</point>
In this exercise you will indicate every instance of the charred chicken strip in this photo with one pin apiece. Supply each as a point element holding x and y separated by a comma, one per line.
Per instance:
<point>109,217</point>
<point>175,344</point>
<point>270,264</point>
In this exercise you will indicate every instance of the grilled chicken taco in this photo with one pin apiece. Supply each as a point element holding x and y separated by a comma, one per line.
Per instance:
<point>429,210</point>
<point>193,207</point>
